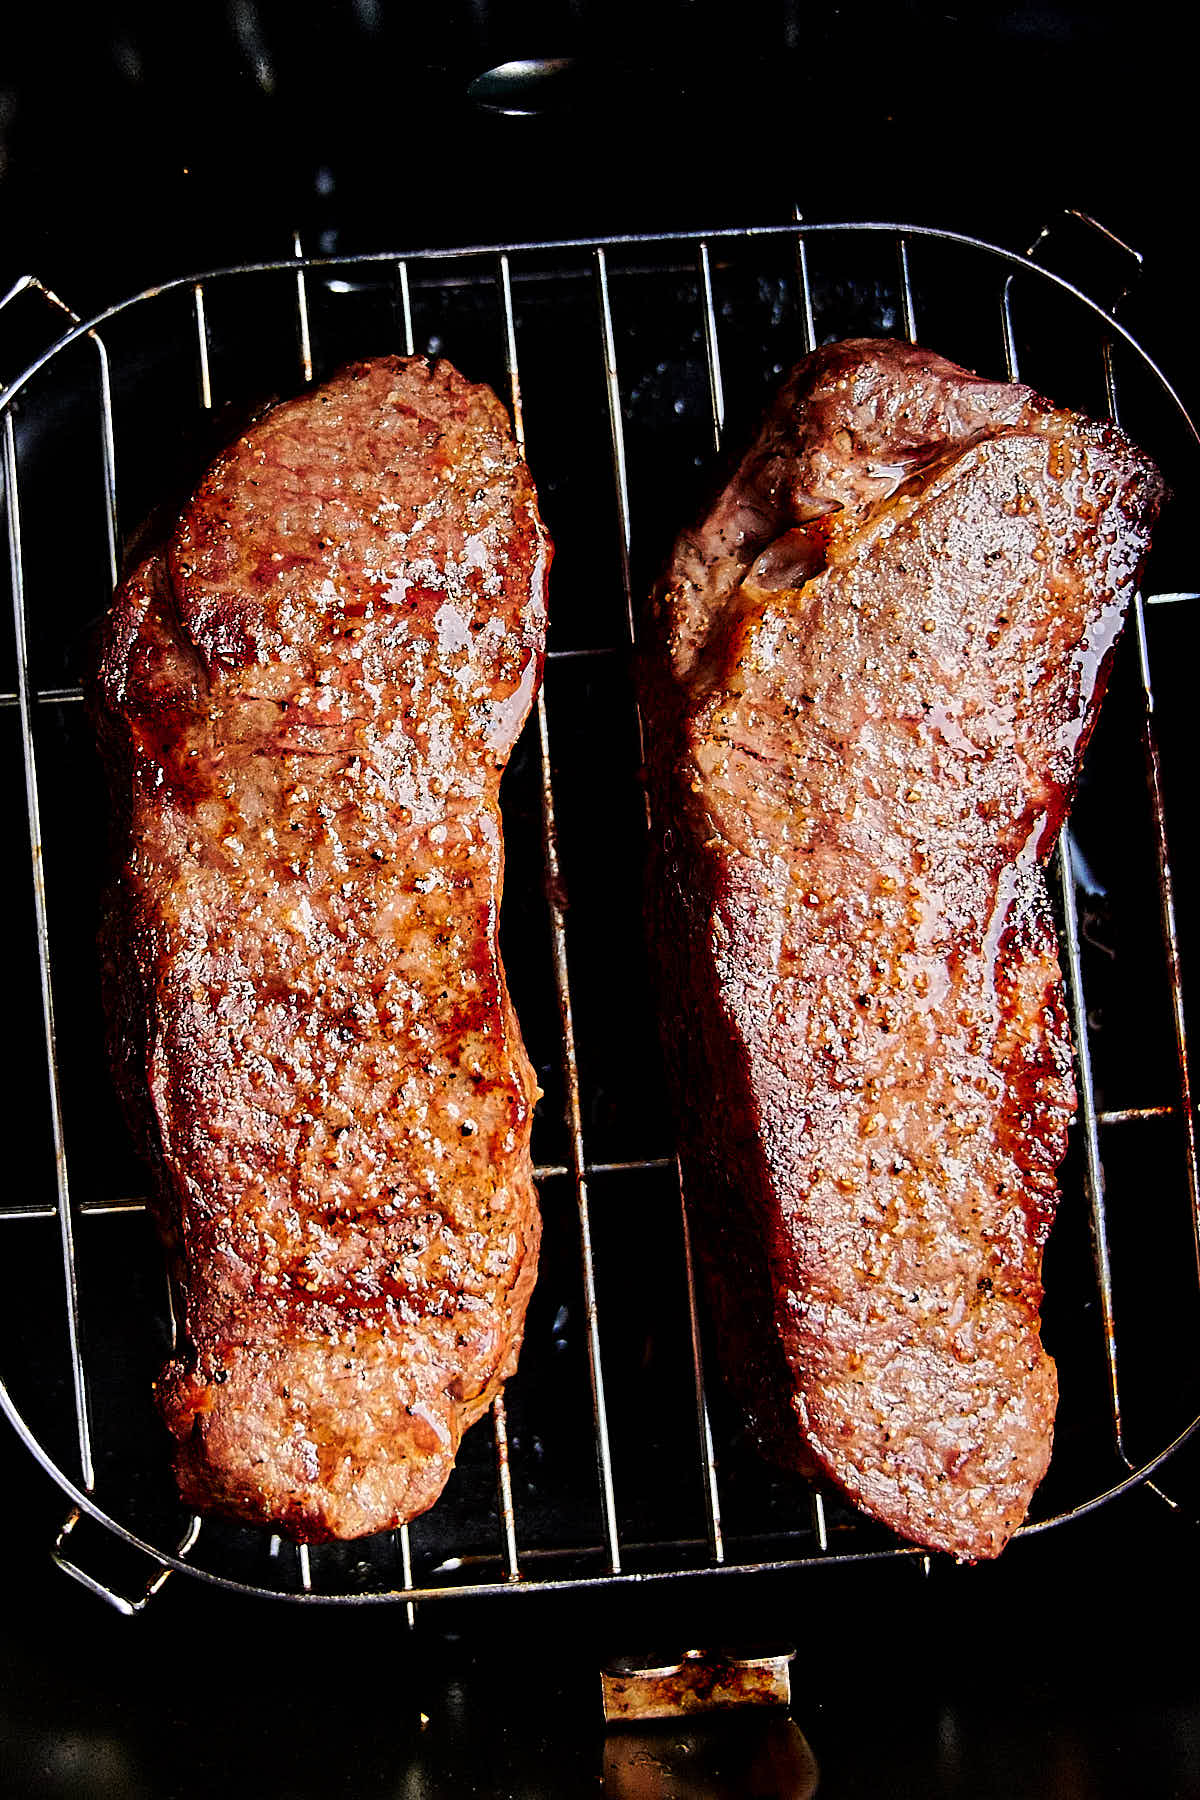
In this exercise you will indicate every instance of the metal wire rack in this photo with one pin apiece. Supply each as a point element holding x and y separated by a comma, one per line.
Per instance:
<point>612,1458</point>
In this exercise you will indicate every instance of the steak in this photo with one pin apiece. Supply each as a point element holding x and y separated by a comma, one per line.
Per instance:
<point>869,677</point>
<point>305,700</point>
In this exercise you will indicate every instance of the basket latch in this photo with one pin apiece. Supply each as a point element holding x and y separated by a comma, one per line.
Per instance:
<point>712,1722</point>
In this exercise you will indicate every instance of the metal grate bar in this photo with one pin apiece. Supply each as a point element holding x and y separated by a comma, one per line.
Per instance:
<point>819,1521</point>
<point>1093,1162</point>
<point>66,1227</point>
<point>44,697</point>
<point>1166,888</point>
<point>202,346</point>
<point>306,361</point>
<point>708,1454</point>
<point>570,1058</point>
<point>406,1573</point>
<point>406,315</point>
<point>575,1127</point>
<point>1011,359</point>
<point>808,324</point>
<point>91,1209</point>
<point>616,438</point>
<point>716,390</point>
<point>567,653</point>
<point>504,1491</point>
<point>511,367</point>
<point>508,1521</point>
<point>625,1168</point>
<point>1166,880</point>
<point>908,311</point>
<point>108,453</point>
<point>1120,1115</point>
<point>712,354</point>
<point>1110,382</point>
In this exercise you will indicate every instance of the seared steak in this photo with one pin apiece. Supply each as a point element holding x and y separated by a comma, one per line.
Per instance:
<point>305,702</point>
<point>870,675</point>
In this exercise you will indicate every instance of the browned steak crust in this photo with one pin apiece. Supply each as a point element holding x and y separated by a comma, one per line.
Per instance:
<point>870,676</point>
<point>305,703</point>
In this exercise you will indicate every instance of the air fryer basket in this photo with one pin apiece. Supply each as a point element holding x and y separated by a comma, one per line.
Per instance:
<point>611,1457</point>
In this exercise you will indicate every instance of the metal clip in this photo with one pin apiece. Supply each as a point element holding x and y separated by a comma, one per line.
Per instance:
<point>121,1602</point>
<point>691,1681</point>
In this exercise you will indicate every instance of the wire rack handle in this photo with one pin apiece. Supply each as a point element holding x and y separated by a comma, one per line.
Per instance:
<point>1127,262</point>
<point>103,1590</point>
<point>57,308</point>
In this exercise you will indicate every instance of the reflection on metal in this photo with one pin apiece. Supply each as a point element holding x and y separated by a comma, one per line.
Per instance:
<point>527,86</point>
<point>908,311</point>
<point>808,326</point>
<point>302,327</point>
<point>732,1756</point>
<point>816,1503</point>
<point>406,314</point>
<point>712,352</point>
<point>708,1455</point>
<point>508,1522</point>
<point>406,1571</point>
<point>205,372</point>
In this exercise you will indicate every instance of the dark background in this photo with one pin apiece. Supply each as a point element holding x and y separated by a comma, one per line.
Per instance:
<point>1065,1672</point>
<point>141,142</point>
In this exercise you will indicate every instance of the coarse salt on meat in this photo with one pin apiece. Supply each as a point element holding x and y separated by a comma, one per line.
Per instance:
<point>309,1021</point>
<point>870,675</point>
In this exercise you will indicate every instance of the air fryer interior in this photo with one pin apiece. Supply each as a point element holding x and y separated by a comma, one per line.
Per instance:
<point>140,143</point>
<point>633,362</point>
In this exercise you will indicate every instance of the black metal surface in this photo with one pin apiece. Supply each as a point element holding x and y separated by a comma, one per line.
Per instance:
<point>1053,1674</point>
<point>913,1687</point>
<point>138,141</point>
